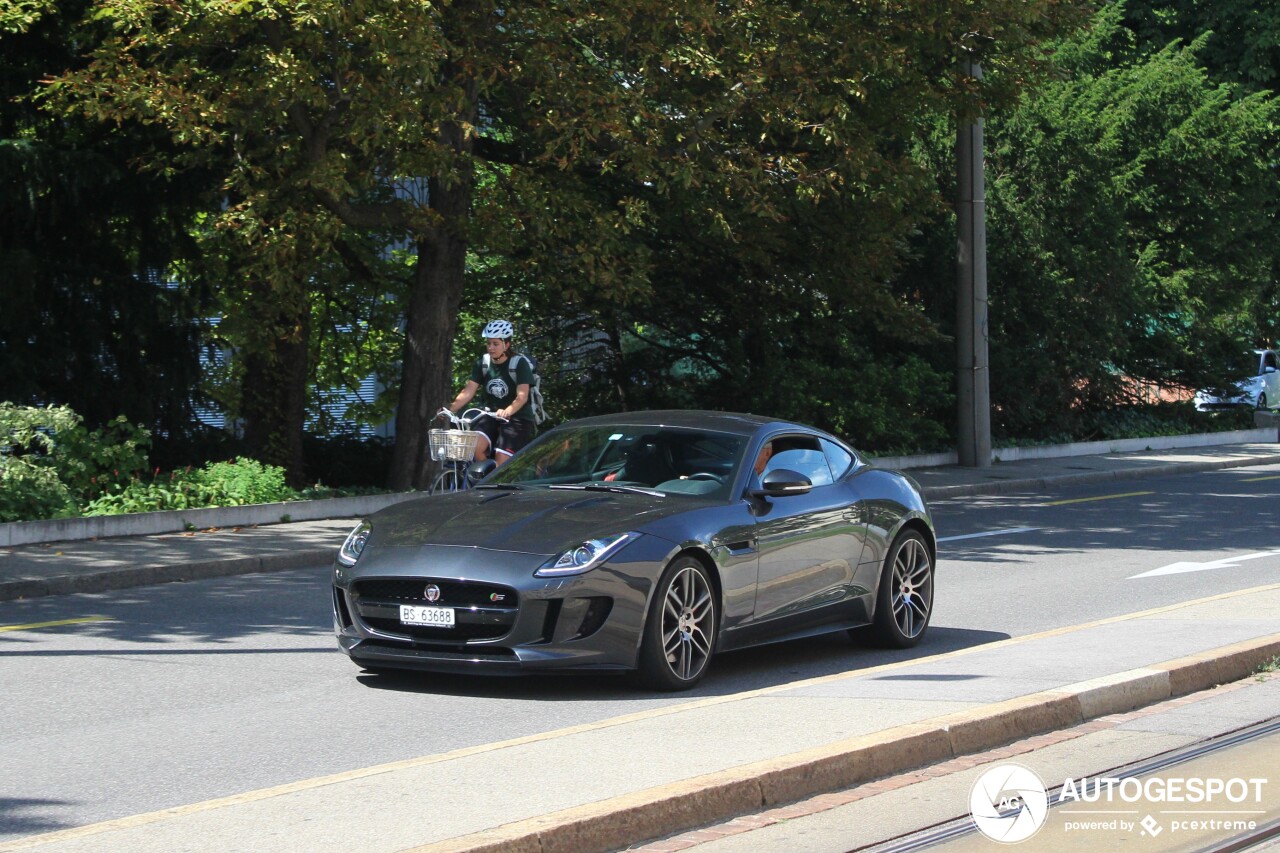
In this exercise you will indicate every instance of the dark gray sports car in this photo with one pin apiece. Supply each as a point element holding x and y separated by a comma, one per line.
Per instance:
<point>647,541</point>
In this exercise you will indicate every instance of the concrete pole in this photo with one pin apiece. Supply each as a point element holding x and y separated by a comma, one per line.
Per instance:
<point>972,368</point>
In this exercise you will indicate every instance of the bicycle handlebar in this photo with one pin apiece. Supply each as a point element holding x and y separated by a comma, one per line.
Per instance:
<point>466,419</point>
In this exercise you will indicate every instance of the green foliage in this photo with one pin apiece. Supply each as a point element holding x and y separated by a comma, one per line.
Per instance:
<point>51,464</point>
<point>87,246</point>
<point>243,481</point>
<point>29,491</point>
<point>568,142</point>
<point>30,481</point>
<point>1243,44</point>
<point>1161,419</point>
<point>238,482</point>
<point>1132,230</point>
<point>93,462</point>
<point>177,490</point>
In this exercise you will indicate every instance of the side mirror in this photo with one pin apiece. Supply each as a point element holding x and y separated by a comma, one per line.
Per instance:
<point>781,482</point>
<point>1268,369</point>
<point>477,471</point>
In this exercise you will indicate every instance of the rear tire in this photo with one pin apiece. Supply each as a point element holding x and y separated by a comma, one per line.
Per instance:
<point>904,601</point>
<point>680,631</point>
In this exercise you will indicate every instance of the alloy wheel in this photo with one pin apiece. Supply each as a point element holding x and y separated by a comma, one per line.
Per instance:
<point>904,600</point>
<point>912,588</point>
<point>688,623</point>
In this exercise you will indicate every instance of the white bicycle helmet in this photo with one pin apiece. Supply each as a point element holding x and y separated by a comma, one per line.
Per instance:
<point>498,329</point>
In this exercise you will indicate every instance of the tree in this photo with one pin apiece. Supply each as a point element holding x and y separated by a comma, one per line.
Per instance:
<point>1132,211</point>
<point>1240,39</point>
<point>545,133</point>
<point>90,318</point>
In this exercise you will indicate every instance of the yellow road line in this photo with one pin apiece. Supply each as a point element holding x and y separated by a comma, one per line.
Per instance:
<point>1260,479</point>
<point>1099,498</point>
<point>421,761</point>
<point>34,625</point>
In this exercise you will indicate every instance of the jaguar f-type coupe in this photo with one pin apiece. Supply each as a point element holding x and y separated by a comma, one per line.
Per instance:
<point>643,541</point>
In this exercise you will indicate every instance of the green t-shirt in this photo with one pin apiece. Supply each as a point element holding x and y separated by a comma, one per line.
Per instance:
<point>496,388</point>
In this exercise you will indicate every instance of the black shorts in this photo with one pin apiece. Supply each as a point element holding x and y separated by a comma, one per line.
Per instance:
<point>506,436</point>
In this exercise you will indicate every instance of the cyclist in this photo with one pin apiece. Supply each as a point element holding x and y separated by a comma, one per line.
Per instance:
<point>500,391</point>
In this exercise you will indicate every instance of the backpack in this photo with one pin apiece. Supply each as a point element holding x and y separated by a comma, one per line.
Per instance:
<point>535,389</point>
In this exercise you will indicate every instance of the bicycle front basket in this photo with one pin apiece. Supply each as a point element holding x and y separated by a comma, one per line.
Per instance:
<point>453,445</point>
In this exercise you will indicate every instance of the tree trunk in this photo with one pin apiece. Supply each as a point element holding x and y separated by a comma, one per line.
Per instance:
<point>273,398</point>
<point>432,321</point>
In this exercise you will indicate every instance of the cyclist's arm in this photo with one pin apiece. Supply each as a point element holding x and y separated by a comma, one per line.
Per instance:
<point>522,397</point>
<point>465,396</point>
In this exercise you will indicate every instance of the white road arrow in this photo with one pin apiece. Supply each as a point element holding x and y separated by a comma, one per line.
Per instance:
<point>1228,563</point>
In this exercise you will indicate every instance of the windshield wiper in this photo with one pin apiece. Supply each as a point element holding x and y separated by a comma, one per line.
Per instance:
<point>603,487</point>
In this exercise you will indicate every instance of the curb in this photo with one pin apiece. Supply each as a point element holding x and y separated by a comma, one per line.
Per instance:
<point>1000,487</point>
<point>16,533</point>
<point>1263,435</point>
<point>108,579</point>
<point>619,822</point>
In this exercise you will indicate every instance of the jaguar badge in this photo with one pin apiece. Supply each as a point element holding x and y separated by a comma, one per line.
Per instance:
<point>433,592</point>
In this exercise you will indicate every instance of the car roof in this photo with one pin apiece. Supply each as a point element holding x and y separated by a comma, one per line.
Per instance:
<point>731,422</point>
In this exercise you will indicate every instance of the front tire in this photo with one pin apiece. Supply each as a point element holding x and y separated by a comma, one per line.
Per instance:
<point>1262,402</point>
<point>446,482</point>
<point>904,601</point>
<point>680,631</point>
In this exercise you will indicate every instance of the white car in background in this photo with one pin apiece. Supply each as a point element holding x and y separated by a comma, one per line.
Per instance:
<point>1259,386</point>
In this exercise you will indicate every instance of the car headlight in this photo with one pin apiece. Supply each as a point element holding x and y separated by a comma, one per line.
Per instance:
<point>353,547</point>
<point>584,557</point>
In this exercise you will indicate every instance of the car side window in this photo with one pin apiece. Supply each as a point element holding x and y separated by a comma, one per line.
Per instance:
<point>838,458</point>
<point>803,455</point>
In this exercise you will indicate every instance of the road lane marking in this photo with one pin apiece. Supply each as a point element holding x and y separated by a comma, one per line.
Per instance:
<point>1005,532</point>
<point>1225,563</point>
<point>35,625</point>
<point>261,794</point>
<point>1260,479</point>
<point>1098,498</point>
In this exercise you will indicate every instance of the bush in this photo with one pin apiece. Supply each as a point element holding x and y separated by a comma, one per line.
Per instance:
<point>29,485</point>
<point>1157,419</point>
<point>93,462</point>
<point>178,490</point>
<point>239,482</point>
<point>244,481</point>
<point>29,490</point>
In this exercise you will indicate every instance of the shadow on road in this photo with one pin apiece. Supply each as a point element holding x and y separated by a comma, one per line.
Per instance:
<point>731,673</point>
<point>19,817</point>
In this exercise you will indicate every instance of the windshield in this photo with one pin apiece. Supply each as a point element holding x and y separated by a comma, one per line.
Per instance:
<point>672,461</point>
<point>1243,364</point>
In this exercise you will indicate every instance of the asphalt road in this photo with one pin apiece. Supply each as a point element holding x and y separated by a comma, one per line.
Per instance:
<point>160,696</point>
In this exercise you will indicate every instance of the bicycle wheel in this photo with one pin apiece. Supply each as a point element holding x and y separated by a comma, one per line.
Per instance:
<point>448,481</point>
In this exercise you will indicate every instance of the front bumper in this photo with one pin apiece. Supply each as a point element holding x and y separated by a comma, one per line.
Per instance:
<point>507,620</point>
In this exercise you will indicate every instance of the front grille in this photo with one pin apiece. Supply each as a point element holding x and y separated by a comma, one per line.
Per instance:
<point>452,593</point>
<point>482,611</point>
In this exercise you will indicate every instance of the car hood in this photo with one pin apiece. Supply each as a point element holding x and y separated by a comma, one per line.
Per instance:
<point>537,521</point>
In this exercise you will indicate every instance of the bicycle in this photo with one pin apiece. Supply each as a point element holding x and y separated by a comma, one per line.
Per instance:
<point>455,447</point>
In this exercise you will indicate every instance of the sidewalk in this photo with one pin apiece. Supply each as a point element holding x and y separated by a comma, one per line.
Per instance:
<point>630,779</point>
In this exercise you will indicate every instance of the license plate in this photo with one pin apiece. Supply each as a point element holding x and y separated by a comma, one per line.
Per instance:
<point>434,617</point>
